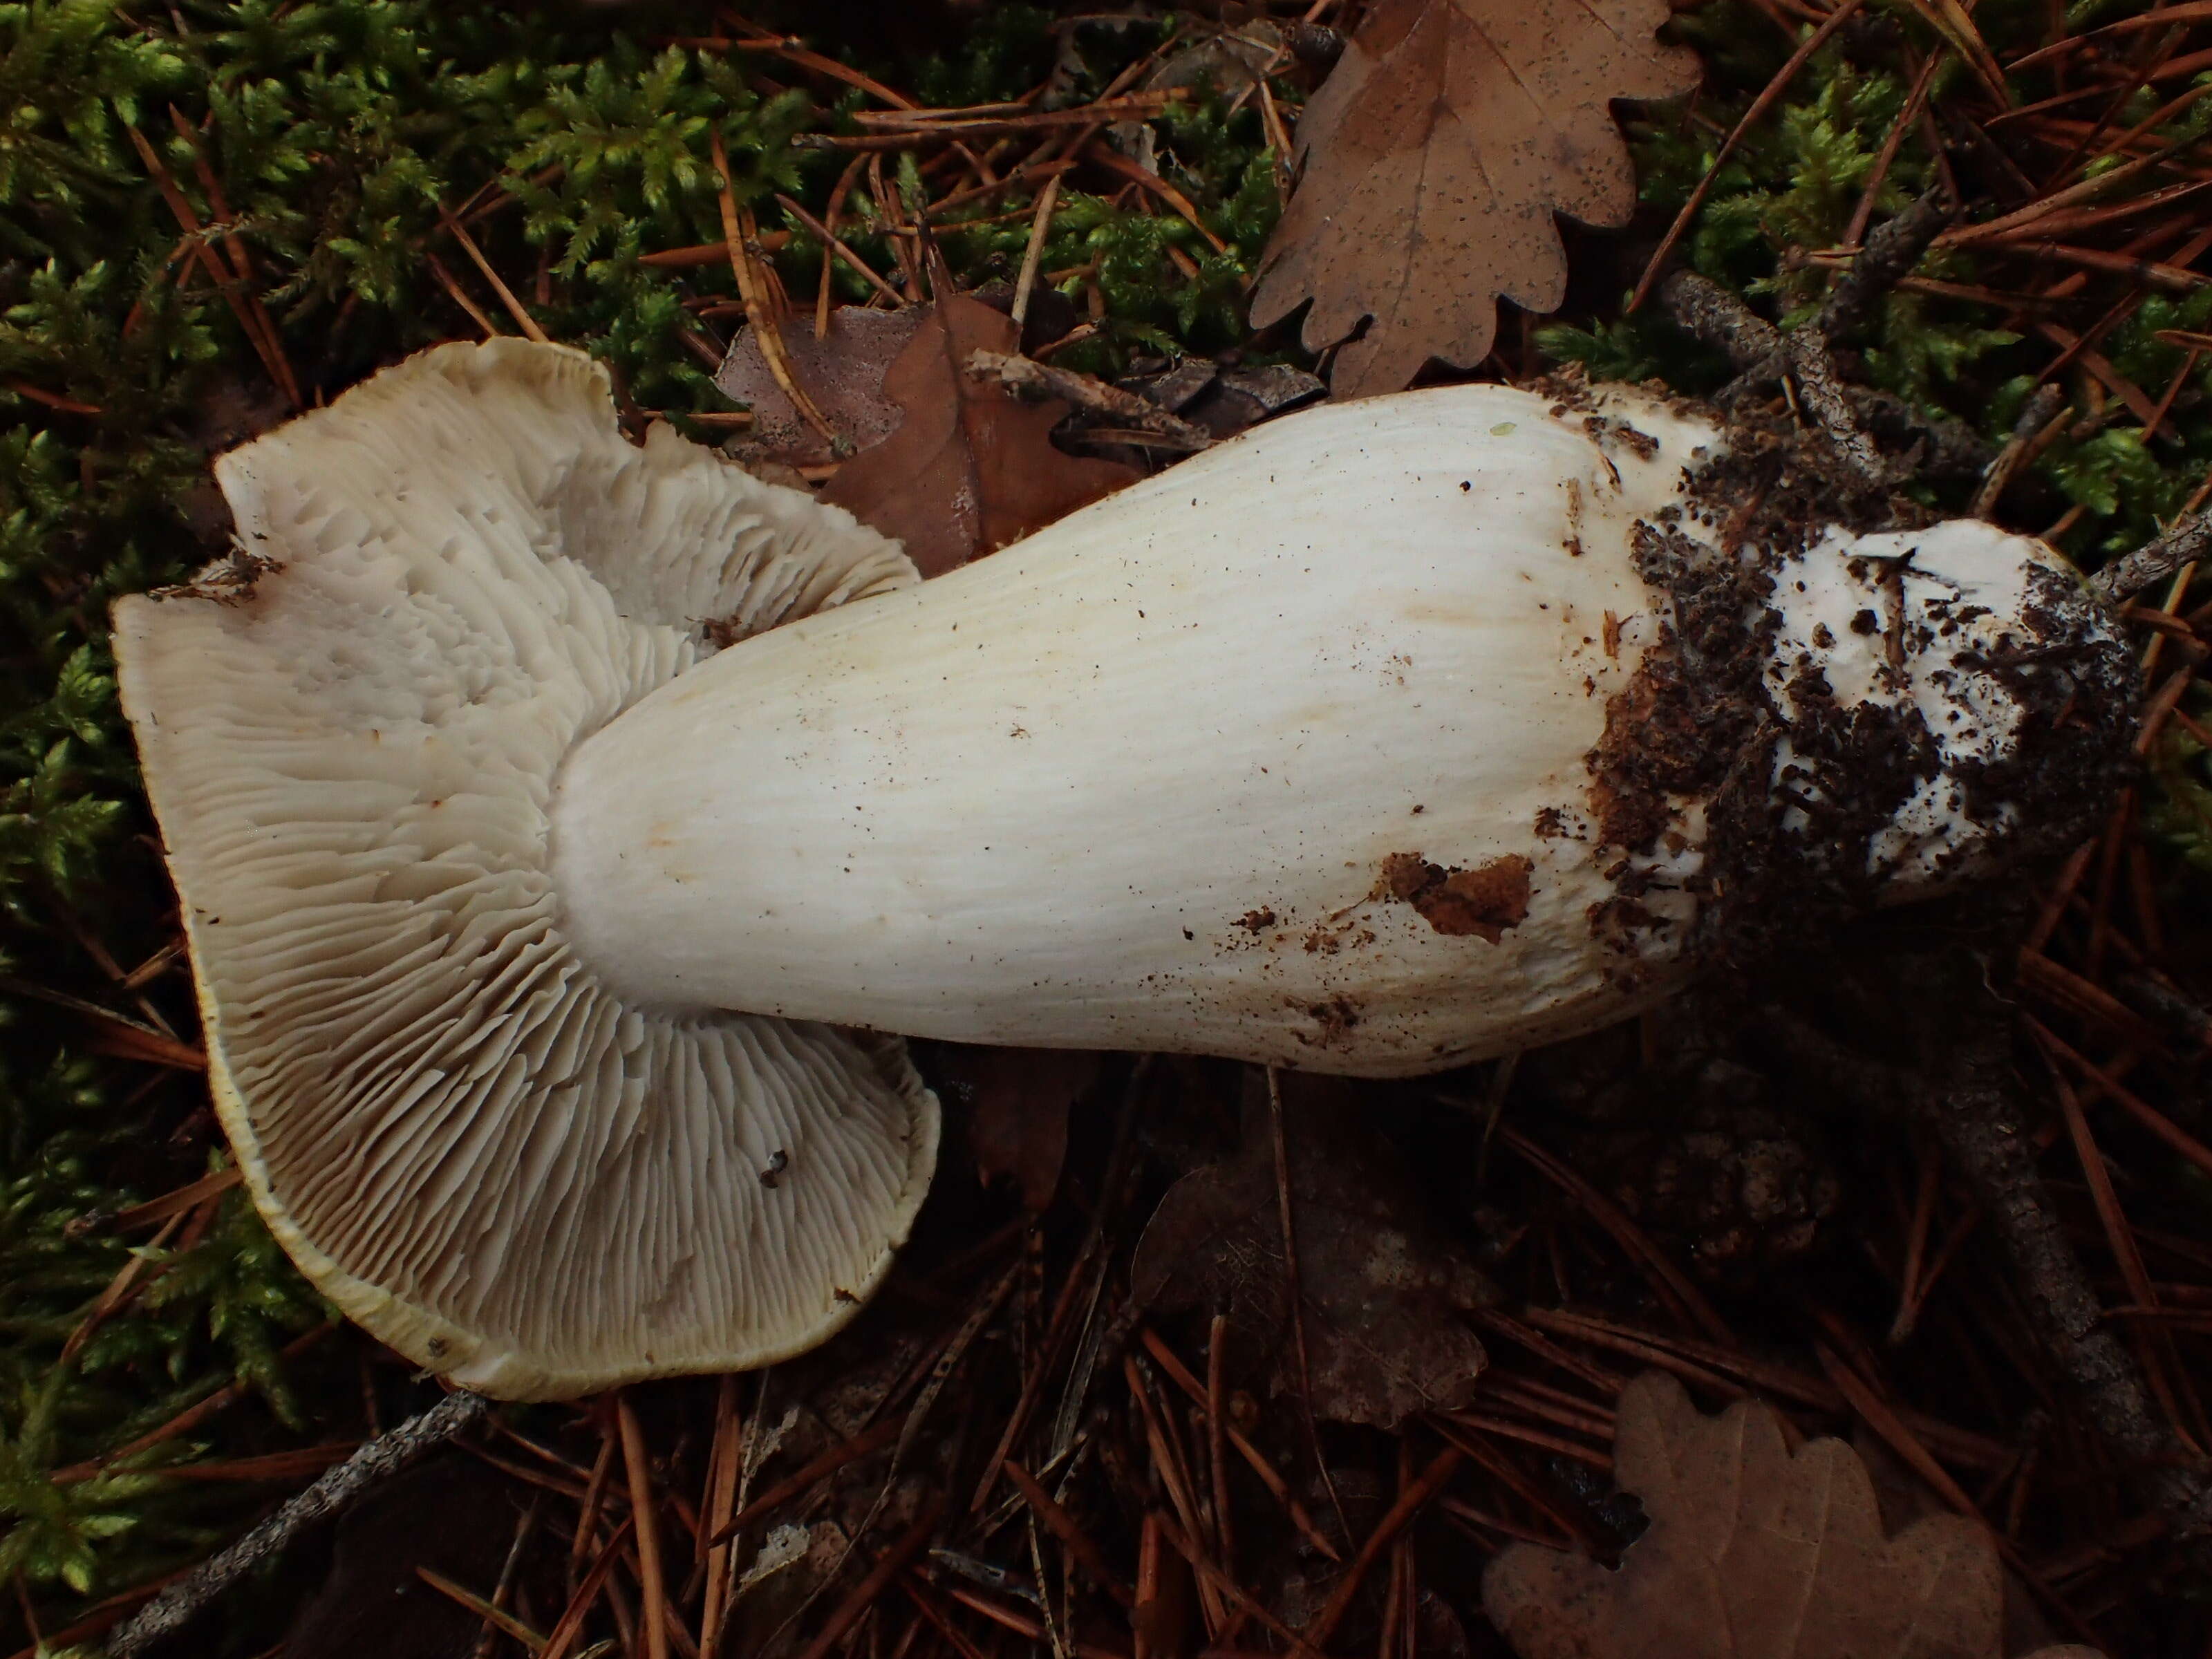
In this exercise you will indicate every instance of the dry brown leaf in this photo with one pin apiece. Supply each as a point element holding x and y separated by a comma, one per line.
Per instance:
<point>1019,1101</point>
<point>1434,157</point>
<point>843,371</point>
<point>1383,1285</point>
<point>1753,1552</point>
<point>969,467</point>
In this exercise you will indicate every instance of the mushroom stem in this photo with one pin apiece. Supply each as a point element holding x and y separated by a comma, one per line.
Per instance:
<point>1298,753</point>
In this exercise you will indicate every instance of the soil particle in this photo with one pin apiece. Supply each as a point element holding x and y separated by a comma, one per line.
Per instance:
<point>1336,1018</point>
<point>1790,847</point>
<point>1485,901</point>
<point>1255,921</point>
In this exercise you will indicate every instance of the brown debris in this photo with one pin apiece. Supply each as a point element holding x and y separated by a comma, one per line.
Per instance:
<point>969,467</point>
<point>1019,1100</point>
<point>1484,902</point>
<point>1758,1548</point>
<point>843,372</point>
<point>1042,381</point>
<point>1383,1289</point>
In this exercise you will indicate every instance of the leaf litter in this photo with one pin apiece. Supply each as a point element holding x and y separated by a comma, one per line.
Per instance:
<point>969,467</point>
<point>1385,1290</point>
<point>1433,159</point>
<point>1758,1548</point>
<point>843,373</point>
<point>1019,1101</point>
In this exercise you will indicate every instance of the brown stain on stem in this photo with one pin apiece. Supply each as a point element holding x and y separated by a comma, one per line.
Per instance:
<point>1484,900</point>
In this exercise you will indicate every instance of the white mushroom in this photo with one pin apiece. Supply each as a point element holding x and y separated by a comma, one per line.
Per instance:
<point>1389,736</point>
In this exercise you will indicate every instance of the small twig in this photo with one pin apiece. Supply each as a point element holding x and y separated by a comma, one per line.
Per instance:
<point>1064,1527</point>
<point>186,1420</point>
<point>724,1460</point>
<point>1888,256</point>
<point>1909,1295</point>
<point>496,1620</point>
<point>1025,374</point>
<point>2186,541</point>
<point>1970,1103</point>
<point>476,314</point>
<point>739,233</point>
<point>1879,173</point>
<point>819,1468</point>
<point>265,346</point>
<point>644,1508</point>
<point>1173,1477</point>
<point>913,136</point>
<point>241,259</point>
<point>1176,1372</point>
<point>1672,1283</point>
<point>2037,425</point>
<point>711,253</point>
<point>1212,1578</point>
<point>1217,1442</point>
<point>371,1466</point>
<point>564,1634</point>
<point>1143,179</point>
<point>878,1578</point>
<point>503,1587</point>
<point>1410,1504</point>
<point>523,319</point>
<point>1294,1289</point>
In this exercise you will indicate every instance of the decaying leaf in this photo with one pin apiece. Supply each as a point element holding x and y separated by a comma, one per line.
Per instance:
<point>1753,1552</point>
<point>970,467</point>
<point>1434,157</point>
<point>1383,1287</point>
<point>1018,1100</point>
<point>843,371</point>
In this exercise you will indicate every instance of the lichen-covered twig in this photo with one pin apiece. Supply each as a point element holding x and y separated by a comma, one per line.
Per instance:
<point>1026,377</point>
<point>2185,541</point>
<point>371,1466</point>
<point>1762,353</point>
<point>1806,351</point>
<point>1888,256</point>
<point>1968,1097</point>
<point>1712,314</point>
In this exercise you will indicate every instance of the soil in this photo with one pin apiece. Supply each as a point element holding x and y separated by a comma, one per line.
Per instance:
<point>1484,902</point>
<point>1700,720</point>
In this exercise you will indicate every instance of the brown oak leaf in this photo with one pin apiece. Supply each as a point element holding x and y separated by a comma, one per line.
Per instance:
<point>1753,1552</point>
<point>843,371</point>
<point>1384,1286</point>
<point>969,467</point>
<point>1433,159</point>
<point>1019,1101</point>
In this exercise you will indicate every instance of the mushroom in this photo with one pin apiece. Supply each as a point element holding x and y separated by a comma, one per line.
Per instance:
<point>538,938</point>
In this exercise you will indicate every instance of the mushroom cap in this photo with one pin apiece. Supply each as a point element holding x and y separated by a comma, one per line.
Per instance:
<point>475,1148</point>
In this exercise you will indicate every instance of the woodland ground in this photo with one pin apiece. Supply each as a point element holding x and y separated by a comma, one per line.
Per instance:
<point>215,211</point>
